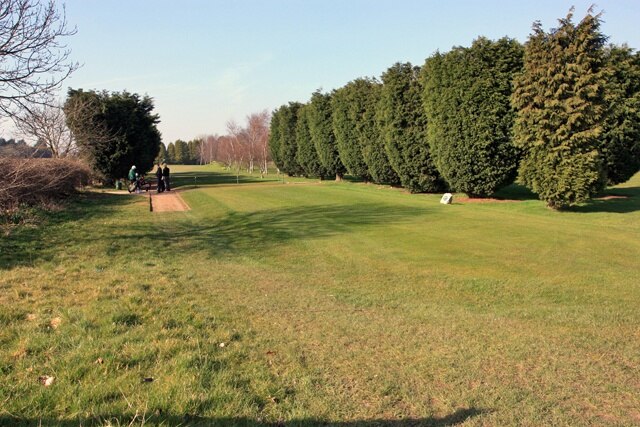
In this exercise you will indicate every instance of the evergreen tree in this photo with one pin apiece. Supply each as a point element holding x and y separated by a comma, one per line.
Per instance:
<point>162,155</point>
<point>306,156</point>
<point>621,131</point>
<point>347,105</point>
<point>171,153</point>
<point>181,154</point>
<point>321,131</point>
<point>128,132</point>
<point>288,145</point>
<point>193,147</point>
<point>275,137</point>
<point>560,102</point>
<point>469,115</point>
<point>369,132</point>
<point>404,125</point>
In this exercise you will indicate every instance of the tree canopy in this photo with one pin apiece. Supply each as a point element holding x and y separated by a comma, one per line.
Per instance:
<point>282,141</point>
<point>621,130</point>
<point>560,101</point>
<point>469,116</point>
<point>114,130</point>
<point>306,155</point>
<point>321,132</point>
<point>347,105</point>
<point>404,128</point>
<point>370,133</point>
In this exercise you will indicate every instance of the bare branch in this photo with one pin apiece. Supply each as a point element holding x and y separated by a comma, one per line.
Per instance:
<point>47,125</point>
<point>33,60</point>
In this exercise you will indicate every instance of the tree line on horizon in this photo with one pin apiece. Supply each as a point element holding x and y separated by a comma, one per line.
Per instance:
<point>559,114</point>
<point>243,147</point>
<point>180,152</point>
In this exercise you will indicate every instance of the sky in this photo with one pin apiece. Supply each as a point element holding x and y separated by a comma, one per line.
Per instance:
<point>205,62</point>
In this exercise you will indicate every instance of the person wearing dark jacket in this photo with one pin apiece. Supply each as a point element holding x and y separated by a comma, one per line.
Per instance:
<point>166,178</point>
<point>159,179</point>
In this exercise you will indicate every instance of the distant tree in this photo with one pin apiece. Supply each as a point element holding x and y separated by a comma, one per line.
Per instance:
<point>306,155</point>
<point>20,149</point>
<point>34,60</point>
<point>162,155</point>
<point>348,104</point>
<point>208,148</point>
<point>258,136</point>
<point>560,102</point>
<point>404,124</point>
<point>234,142</point>
<point>171,153</point>
<point>226,151</point>
<point>132,136</point>
<point>620,137</point>
<point>322,136</point>
<point>181,152</point>
<point>193,148</point>
<point>469,116</point>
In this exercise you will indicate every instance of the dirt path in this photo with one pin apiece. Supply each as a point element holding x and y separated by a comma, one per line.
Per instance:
<point>169,201</point>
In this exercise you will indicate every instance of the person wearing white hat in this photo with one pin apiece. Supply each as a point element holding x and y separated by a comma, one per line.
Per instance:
<point>133,178</point>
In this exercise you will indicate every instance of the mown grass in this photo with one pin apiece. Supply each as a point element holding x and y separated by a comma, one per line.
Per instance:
<point>322,303</point>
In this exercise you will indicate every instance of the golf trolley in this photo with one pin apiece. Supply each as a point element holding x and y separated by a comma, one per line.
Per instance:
<point>140,183</point>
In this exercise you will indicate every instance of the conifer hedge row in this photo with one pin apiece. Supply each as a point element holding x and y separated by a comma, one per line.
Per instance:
<point>560,113</point>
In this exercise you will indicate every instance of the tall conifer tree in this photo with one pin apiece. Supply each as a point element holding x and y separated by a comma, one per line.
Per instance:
<point>288,144</point>
<point>370,134</point>
<point>275,137</point>
<point>306,155</point>
<point>347,104</point>
<point>560,102</point>
<point>469,115</point>
<point>171,153</point>
<point>321,131</point>
<point>621,132</point>
<point>404,129</point>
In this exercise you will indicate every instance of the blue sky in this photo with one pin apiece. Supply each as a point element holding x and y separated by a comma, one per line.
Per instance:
<point>207,61</point>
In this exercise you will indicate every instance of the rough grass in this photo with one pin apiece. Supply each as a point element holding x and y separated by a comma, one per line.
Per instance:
<point>333,303</point>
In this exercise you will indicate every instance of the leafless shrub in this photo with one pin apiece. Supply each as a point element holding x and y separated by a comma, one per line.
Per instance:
<point>39,181</point>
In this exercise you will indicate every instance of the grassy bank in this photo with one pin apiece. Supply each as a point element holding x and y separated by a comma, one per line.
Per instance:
<point>305,303</point>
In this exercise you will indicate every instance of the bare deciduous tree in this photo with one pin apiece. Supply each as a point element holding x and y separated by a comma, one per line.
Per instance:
<point>258,136</point>
<point>47,125</point>
<point>242,147</point>
<point>33,59</point>
<point>237,140</point>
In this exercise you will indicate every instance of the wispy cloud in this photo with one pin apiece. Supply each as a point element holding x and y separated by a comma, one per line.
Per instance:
<point>235,82</point>
<point>120,80</point>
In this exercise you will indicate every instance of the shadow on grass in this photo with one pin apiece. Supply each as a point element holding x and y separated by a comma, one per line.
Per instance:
<point>456,418</point>
<point>241,233</point>
<point>515,192</point>
<point>25,244</point>
<point>614,200</point>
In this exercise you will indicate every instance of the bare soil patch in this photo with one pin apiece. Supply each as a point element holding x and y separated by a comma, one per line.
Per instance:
<point>169,201</point>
